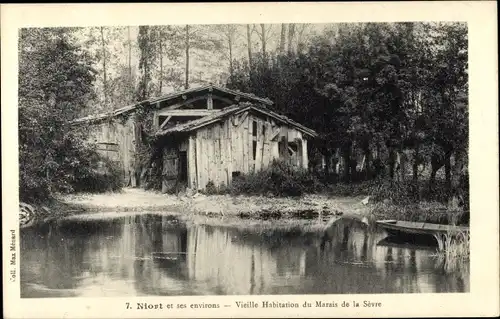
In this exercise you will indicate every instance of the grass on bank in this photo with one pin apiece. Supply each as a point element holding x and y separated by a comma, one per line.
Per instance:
<point>456,252</point>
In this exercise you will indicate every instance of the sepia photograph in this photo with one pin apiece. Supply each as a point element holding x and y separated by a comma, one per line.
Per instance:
<point>242,159</point>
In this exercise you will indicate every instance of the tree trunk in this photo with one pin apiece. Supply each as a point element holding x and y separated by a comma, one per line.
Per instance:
<point>263,40</point>
<point>457,176</point>
<point>300,39</point>
<point>368,160</point>
<point>402,165</point>
<point>160,84</point>
<point>436,164</point>
<point>416,155</point>
<point>249,45</point>
<point>283,38</point>
<point>391,162</point>
<point>230,45</point>
<point>432,178</point>
<point>105,80</point>
<point>291,34</point>
<point>130,82</point>
<point>346,155</point>
<point>327,164</point>
<point>458,168</point>
<point>447,171</point>
<point>186,84</point>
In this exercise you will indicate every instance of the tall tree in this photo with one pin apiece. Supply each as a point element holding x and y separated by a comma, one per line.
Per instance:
<point>55,82</point>
<point>291,36</point>
<point>229,35</point>
<point>264,34</point>
<point>104,70</point>
<point>249,45</point>
<point>129,58</point>
<point>187,46</point>
<point>282,38</point>
<point>198,41</point>
<point>147,41</point>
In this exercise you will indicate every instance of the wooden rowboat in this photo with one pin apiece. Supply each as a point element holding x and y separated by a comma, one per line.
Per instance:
<point>406,229</point>
<point>419,228</point>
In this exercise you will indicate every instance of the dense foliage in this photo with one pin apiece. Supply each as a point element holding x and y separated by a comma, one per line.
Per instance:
<point>393,94</point>
<point>279,179</point>
<point>389,100</point>
<point>55,83</point>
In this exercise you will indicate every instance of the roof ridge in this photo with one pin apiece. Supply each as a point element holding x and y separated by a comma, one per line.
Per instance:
<point>217,116</point>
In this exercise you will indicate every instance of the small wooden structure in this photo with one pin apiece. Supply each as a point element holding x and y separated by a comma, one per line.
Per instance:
<point>205,135</point>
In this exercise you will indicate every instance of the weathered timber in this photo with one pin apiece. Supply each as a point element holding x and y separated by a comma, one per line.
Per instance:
<point>165,122</point>
<point>190,112</point>
<point>210,102</point>
<point>220,140</point>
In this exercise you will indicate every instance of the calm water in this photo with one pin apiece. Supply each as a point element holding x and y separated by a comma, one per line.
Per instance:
<point>158,255</point>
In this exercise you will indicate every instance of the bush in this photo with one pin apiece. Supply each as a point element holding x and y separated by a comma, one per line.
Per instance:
<point>211,189</point>
<point>100,176</point>
<point>279,179</point>
<point>64,166</point>
<point>363,188</point>
<point>408,191</point>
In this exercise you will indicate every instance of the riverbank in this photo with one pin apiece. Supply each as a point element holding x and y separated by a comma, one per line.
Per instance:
<point>265,215</point>
<point>309,211</point>
<point>247,207</point>
<point>254,210</point>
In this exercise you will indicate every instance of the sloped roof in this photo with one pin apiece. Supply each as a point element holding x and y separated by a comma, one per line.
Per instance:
<point>103,116</point>
<point>230,110</point>
<point>211,88</point>
<point>166,97</point>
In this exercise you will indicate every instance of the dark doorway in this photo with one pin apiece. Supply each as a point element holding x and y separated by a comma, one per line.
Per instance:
<point>183,167</point>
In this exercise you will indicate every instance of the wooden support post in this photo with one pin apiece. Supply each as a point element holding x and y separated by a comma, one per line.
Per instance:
<point>192,170</point>
<point>284,140</point>
<point>305,158</point>
<point>246,148</point>
<point>210,102</point>
<point>199,161</point>
<point>229,154</point>
<point>258,151</point>
<point>156,120</point>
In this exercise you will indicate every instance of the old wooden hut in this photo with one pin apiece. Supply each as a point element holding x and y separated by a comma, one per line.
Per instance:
<point>206,134</point>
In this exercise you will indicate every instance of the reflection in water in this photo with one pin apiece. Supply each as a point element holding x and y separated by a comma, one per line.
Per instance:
<point>157,255</point>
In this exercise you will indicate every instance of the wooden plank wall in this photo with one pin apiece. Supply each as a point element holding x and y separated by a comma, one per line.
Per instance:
<point>216,151</point>
<point>213,155</point>
<point>170,170</point>
<point>123,135</point>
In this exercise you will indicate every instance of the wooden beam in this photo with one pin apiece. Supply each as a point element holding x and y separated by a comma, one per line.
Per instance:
<point>220,98</point>
<point>190,112</point>
<point>275,134</point>
<point>197,98</point>
<point>156,120</point>
<point>242,118</point>
<point>165,122</point>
